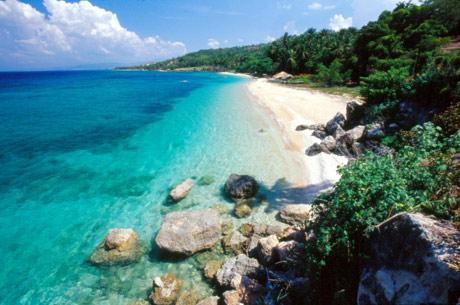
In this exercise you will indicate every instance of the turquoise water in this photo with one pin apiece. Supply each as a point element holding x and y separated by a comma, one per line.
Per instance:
<point>83,152</point>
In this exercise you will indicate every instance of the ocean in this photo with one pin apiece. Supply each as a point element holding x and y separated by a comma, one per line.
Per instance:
<point>85,151</point>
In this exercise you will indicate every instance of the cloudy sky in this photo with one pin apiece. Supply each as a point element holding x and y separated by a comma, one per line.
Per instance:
<point>54,34</point>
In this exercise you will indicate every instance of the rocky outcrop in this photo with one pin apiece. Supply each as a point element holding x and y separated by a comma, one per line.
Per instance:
<point>415,259</point>
<point>165,289</point>
<point>296,214</point>
<point>190,231</point>
<point>181,190</point>
<point>236,267</point>
<point>240,187</point>
<point>119,247</point>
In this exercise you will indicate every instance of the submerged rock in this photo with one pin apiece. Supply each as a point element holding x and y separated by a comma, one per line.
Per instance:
<point>190,297</point>
<point>181,190</point>
<point>211,267</point>
<point>120,246</point>
<point>206,180</point>
<point>235,243</point>
<point>240,187</point>
<point>188,232</point>
<point>138,302</point>
<point>165,289</point>
<point>209,301</point>
<point>296,214</point>
<point>242,210</point>
<point>415,259</point>
<point>236,267</point>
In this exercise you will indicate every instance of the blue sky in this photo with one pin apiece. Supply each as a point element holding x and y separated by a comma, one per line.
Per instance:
<point>49,34</point>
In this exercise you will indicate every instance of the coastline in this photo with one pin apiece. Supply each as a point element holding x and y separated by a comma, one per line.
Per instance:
<point>289,107</point>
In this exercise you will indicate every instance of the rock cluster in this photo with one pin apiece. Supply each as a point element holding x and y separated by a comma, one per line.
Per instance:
<point>189,232</point>
<point>119,247</point>
<point>415,260</point>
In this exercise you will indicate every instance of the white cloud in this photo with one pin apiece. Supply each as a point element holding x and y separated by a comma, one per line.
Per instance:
<point>339,22</point>
<point>315,6</point>
<point>270,38</point>
<point>72,34</point>
<point>213,43</point>
<point>291,27</point>
<point>329,7</point>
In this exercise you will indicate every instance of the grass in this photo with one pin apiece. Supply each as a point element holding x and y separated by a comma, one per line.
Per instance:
<point>305,81</point>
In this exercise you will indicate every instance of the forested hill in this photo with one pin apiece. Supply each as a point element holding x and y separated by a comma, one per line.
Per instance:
<point>247,59</point>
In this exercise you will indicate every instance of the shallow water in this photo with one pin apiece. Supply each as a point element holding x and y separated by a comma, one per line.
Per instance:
<point>83,152</point>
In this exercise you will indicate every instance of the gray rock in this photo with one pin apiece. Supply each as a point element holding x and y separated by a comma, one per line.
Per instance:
<point>235,243</point>
<point>209,301</point>
<point>231,297</point>
<point>266,247</point>
<point>328,143</point>
<point>348,147</point>
<point>316,127</point>
<point>240,187</point>
<point>119,247</point>
<point>415,259</point>
<point>337,121</point>
<point>339,132</point>
<point>357,132</point>
<point>315,149</point>
<point>188,232</point>
<point>351,107</point>
<point>181,190</point>
<point>320,134</point>
<point>296,214</point>
<point>235,268</point>
<point>252,245</point>
<point>284,249</point>
<point>374,131</point>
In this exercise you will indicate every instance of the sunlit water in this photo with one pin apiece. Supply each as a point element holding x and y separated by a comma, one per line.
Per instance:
<point>82,152</point>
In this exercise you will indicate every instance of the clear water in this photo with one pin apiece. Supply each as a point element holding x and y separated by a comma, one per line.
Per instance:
<point>82,152</point>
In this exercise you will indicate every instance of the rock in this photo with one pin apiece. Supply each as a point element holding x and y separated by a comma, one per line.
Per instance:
<point>378,148</point>
<point>247,229</point>
<point>240,187</point>
<point>415,259</point>
<point>209,301</point>
<point>206,180</point>
<point>316,127</point>
<point>283,76</point>
<point>181,191</point>
<point>284,249</point>
<point>296,214</point>
<point>351,108</point>
<point>338,132</point>
<point>242,210</point>
<point>138,302</point>
<point>315,149</point>
<point>119,247</point>
<point>165,289</point>
<point>253,242</point>
<point>188,232</point>
<point>211,267</point>
<point>292,233</point>
<point>227,227</point>
<point>265,249</point>
<point>374,131</point>
<point>190,297</point>
<point>357,132</point>
<point>220,207</point>
<point>250,292</point>
<point>346,146</point>
<point>237,267</point>
<point>337,121</point>
<point>320,134</point>
<point>328,143</point>
<point>235,243</point>
<point>231,297</point>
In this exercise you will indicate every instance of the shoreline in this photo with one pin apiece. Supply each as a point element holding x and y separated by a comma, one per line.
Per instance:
<point>289,107</point>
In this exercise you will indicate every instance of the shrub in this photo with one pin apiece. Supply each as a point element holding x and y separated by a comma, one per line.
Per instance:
<point>449,120</point>
<point>384,86</point>
<point>331,75</point>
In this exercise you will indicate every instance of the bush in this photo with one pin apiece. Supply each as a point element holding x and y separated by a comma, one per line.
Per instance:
<point>384,86</point>
<point>331,75</point>
<point>419,177</point>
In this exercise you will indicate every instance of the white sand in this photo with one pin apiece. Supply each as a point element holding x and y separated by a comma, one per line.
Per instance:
<point>290,107</point>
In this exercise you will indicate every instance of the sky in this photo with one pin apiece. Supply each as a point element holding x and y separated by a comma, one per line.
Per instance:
<point>64,34</point>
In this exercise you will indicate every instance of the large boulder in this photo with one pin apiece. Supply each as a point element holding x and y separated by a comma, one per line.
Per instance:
<point>337,121</point>
<point>188,232</point>
<point>347,146</point>
<point>165,289</point>
<point>283,76</point>
<point>266,246</point>
<point>240,187</point>
<point>357,132</point>
<point>236,267</point>
<point>119,247</point>
<point>181,190</point>
<point>415,259</point>
<point>296,214</point>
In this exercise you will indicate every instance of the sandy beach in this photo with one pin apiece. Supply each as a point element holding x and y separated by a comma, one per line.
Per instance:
<point>289,107</point>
